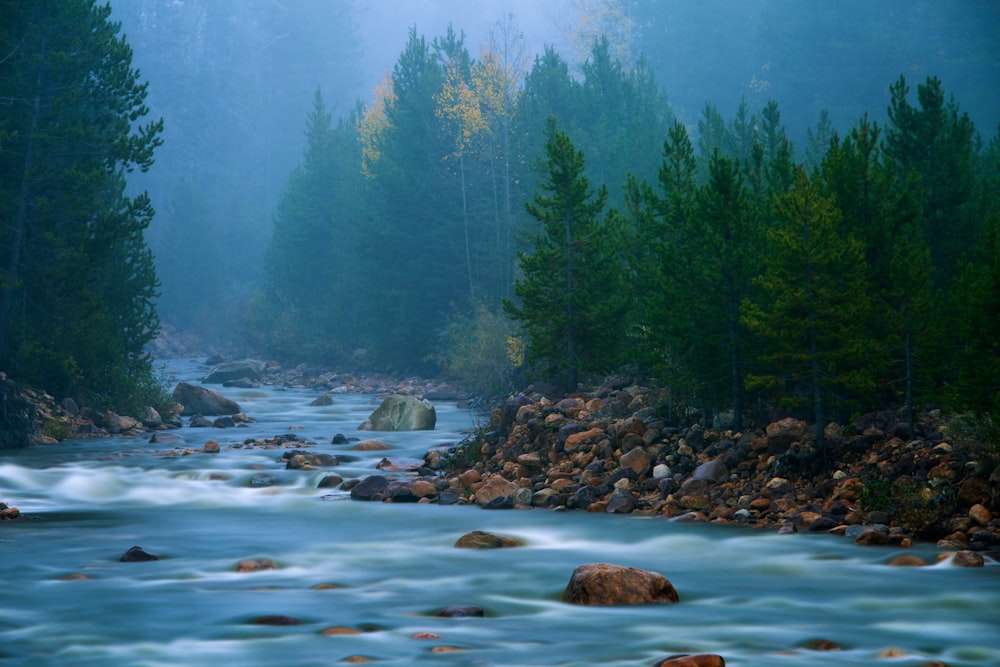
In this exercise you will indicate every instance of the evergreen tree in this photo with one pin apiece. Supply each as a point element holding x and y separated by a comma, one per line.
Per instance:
<point>937,142</point>
<point>308,308</point>
<point>570,298</point>
<point>78,284</point>
<point>812,308</point>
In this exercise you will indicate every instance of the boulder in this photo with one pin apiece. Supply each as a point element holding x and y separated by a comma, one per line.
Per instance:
<point>203,401</point>
<point>370,488</point>
<point>782,433</point>
<point>250,369</point>
<point>479,539</point>
<point>714,472</point>
<point>495,487</point>
<point>401,413</point>
<point>607,584</point>
<point>137,555</point>
<point>701,660</point>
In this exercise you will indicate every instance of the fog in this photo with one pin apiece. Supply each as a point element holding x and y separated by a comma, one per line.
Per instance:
<point>234,81</point>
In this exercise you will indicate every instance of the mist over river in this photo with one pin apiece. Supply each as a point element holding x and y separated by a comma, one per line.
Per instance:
<point>755,598</point>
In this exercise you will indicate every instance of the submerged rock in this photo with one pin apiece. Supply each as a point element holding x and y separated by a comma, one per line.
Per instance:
<point>137,555</point>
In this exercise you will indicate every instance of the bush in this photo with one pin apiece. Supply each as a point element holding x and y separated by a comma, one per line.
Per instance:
<point>975,437</point>
<point>480,352</point>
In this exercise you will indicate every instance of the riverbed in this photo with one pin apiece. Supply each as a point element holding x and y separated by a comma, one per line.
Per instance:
<point>364,580</point>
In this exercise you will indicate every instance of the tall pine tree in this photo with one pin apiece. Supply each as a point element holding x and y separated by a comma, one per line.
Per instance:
<point>78,285</point>
<point>570,298</point>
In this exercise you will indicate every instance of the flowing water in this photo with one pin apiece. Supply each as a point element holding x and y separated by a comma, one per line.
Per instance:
<point>383,570</point>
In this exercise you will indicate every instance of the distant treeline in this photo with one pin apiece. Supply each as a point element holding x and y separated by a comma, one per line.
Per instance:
<point>860,271</point>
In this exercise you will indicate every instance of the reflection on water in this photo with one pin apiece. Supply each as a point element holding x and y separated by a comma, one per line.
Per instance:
<point>382,570</point>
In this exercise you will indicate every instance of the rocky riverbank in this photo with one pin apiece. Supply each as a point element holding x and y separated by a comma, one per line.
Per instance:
<point>615,450</point>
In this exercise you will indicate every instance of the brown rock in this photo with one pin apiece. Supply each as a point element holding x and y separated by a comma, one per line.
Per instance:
<point>495,487</point>
<point>871,537</point>
<point>907,561</point>
<point>607,584</point>
<point>575,441</point>
<point>821,645</point>
<point>371,446</point>
<point>702,660</point>
<point>980,514</point>
<point>638,459</point>
<point>972,491</point>
<point>256,565</point>
<point>781,434</point>
<point>469,477</point>
<point>479,539</point>
<point>966,558</point>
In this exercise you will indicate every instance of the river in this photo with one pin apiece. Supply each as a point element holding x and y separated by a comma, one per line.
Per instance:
<point>376,573</point>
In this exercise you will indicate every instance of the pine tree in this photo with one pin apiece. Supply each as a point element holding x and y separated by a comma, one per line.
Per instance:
<point>570,298</point>
<point>78,286</point>
<point>813,304</point>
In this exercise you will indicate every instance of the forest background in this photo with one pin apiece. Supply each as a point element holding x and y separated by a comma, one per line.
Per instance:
<point>805,217</point>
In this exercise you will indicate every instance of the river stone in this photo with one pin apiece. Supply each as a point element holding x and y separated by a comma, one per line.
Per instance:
<point>321,400</point>
<point>701,660</point>
<point>495,487</point>
<point>370,488</point>
<point>608,584</point>
<point>251,369</point>
<point>399,491</point>
<point>966,558</point>
<point>401,413</point>
<point>980,514</point>
<point>461,611</point>
<point>621,502</point>
<point>781,434</point>
<point>480,539</point>
<point>137,555</point>
<point>871,537</point>
<point>275,619</point>
<point>203,401</point>
<point>638,459</point>
<point>714,472</point>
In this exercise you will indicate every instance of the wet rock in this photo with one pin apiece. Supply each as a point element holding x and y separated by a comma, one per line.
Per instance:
<point>261,479</point>
<point>974,490</point>
<point>274,619</point>
<point>329,482</point>
<point>339,439</point>
<point>495,487</point>
<point>371,446</point>
<point>608,584</point>
<point>399,464</point>
<point>500,503</point>
<point>137,555</point>
<point>966,558</point>
<point>399,491</point>
<point>250,369</point>
<point>621,502</point>
<point>401,413</point>
<point>701,660</point>
<point>210,447</point>
<point>479,539</point>
<point>298,460</point>
<point>907,560</point>
<point>871,537</point>
<point>256,565</point>
<point>821,645</point>
<point>460,611</point>
<point>321,400</point>
<point>203,401</point>
<point>370,488</point>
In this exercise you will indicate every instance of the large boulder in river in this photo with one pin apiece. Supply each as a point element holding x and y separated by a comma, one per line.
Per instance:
<point>250,369</point>
<point>607,584</point>
<point>203,401</point>
<point>401,413</point>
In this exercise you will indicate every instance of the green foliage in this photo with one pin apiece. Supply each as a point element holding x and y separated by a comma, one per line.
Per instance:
<point>811,312</point>
<point>571,297</point>
<point>79,289</point>
<point>475,351</point>
<point>976,437</point>
<point>911,501</point>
